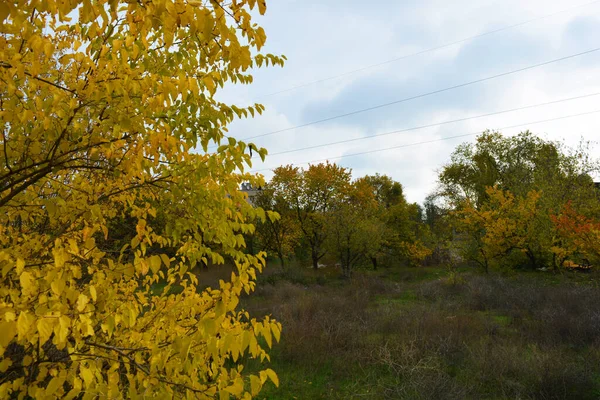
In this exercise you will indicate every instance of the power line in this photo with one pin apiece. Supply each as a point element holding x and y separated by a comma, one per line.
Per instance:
<point>434,140</point>
<point>429,50</point>
<point>405,130</point>
<point>406,99</point>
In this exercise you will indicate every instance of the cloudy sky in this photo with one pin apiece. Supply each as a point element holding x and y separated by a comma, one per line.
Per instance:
<point>331,38</point>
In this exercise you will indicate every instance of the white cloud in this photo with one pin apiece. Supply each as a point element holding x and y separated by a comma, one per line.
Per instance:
<point>323,39</point>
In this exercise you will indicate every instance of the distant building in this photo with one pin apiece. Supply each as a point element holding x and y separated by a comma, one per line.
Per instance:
<point>252,192</point>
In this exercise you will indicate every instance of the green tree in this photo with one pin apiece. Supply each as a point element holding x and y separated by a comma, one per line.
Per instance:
<point>519,164</point>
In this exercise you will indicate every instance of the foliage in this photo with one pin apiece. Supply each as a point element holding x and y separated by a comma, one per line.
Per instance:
<point>102,104</point>
<point>579,236</point>
<point>517,167</point>
<point>311,194</point>
<point>367,219</point>
<point>500,225</point>
<point>280,232</point>
<point>519,164</point>
<point>415,252</point>
<point>387,192</point>
<point>353,229</point>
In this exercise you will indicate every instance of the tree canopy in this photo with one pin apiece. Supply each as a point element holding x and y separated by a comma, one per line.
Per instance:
<point>514,196</point>
<point>103,105</point>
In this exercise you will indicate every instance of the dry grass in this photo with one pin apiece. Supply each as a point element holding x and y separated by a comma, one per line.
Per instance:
<point>488,337</point>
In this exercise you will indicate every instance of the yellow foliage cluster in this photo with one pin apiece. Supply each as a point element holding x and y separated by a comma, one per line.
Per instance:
<point>415,252</point>
<point>102,105</point>
<point>502,224</point>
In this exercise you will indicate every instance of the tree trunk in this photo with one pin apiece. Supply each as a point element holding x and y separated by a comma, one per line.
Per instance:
<point>315,259</point>
<point>374,261</point>
<point>485,261</point>
<point>281,259</point>
<point>532,259</point>
<point>347,271</point>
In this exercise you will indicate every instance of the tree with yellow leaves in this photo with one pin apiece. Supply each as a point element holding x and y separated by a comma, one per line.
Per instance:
<point>312,194</point>
<point>502,224</point>
<point>103,105</point>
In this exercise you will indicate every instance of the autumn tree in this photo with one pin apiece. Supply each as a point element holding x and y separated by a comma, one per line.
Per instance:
<point>312,193</point>
<point>108,110</point>
<point>354,232</point>
<point>578,237</point>
<point>279,233</point>
<point>519,165</point>
<point>501,225</point>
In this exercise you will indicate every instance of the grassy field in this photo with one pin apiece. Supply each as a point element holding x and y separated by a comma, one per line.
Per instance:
<point>418,333</point>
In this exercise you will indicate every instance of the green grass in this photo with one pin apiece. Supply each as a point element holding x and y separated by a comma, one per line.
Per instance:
<point>406,297</point>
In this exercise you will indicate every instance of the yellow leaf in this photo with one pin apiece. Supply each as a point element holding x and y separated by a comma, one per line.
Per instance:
<point>4,10</point>
<point>27,281</point>
<point>210,84</point>
<point>57,286</point>
<point>273,376</point>
<point>276,330</point>
<point>54,385</point>
<point>61,330</point>
<point>82,301</point>
<point>5,364</point>
<point>255,385</point>
<point>109,325</point>
<point>93,293</point>
<point>20,265</point>
<point>24,323</point>
<point>165,260</point>
<point>87,375</point>
<point>155,262</point>
<point>8,330</point>
<point>262,6</point>
<point>45,326</point>
<point>267,334</point>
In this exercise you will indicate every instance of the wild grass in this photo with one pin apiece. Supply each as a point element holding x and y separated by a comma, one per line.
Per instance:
<point>415,334</point>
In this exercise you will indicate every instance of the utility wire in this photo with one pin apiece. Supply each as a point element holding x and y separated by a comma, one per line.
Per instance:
<point>434,140</point>
<point>406,99</point>
<point>436,124</point>
<point>429,49</point>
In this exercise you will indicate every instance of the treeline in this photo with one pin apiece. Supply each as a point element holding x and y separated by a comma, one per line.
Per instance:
<point>321,214</point>
<point>502,202</point>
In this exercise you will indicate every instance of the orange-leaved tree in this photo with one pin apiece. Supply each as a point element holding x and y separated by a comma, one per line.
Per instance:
<point>103,105</point>
<point>576,236</point>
